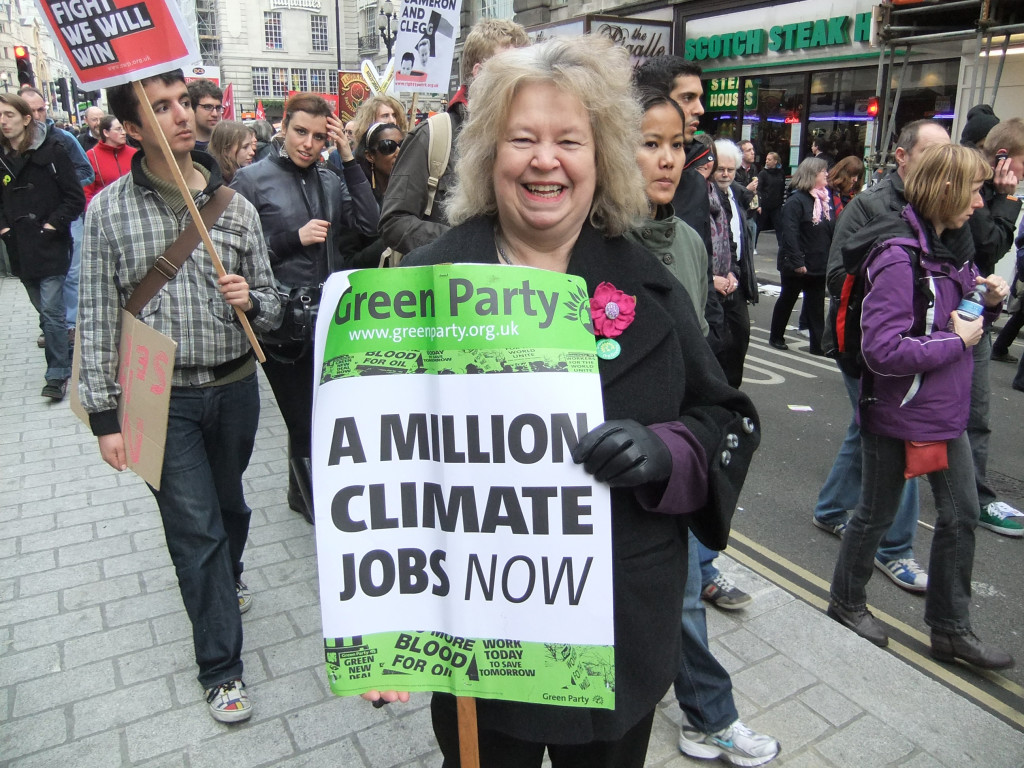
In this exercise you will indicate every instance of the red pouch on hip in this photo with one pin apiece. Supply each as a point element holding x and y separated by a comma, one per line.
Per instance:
<point>925,457</point>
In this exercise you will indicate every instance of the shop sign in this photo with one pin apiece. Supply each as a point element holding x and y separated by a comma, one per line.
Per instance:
<point>643,38</point>
<point>298,5</point>
<point>723,94</point>
<point>818,33</point>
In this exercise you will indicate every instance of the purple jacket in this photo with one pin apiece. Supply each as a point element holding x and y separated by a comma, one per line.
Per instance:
<point>915,387</point>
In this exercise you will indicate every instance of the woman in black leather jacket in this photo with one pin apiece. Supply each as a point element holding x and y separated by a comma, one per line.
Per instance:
<point>304,207</point>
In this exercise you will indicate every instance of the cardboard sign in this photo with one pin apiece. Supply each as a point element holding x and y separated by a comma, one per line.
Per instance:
<point>459,547</point>
<point>381,83</point>
<point>425,45</point>
<point>111,42</point>
<point>146,363</point>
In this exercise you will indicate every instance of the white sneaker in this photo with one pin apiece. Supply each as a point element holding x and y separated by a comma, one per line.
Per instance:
<point>736,745</point>
<point>905,573</point>
<point>229,703</point>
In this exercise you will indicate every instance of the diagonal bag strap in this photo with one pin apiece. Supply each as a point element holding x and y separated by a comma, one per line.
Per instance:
<point>169,262</point>
<point>439,149</point>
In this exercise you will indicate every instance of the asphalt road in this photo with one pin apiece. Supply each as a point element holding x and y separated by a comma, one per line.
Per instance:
<point>805,413</point>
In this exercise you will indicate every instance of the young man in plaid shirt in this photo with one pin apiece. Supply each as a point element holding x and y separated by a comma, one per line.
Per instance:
<point>214,404</point>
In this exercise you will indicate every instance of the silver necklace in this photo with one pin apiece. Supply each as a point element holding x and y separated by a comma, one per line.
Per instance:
<point>499,243</point>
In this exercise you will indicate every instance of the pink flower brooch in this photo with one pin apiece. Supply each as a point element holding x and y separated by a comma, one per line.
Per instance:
<point>612,312</point>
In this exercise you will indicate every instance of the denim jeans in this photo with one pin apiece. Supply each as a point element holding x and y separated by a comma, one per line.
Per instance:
<point>839,496</point>
<point>71,284</point>
<point>947,602</point>
<point>47,296</point>
<point>703,688</point>
<point>210,437</point>
<point>978,430</point>
<point>706,558</point>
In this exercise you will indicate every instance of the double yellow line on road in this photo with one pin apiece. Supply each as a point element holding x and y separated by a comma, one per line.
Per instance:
<point>925,663</point>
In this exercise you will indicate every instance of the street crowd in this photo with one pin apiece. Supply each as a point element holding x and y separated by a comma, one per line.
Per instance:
<point>557,156</point>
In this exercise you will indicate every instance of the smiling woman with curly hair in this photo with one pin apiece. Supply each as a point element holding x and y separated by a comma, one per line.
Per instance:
<point>548,178</point>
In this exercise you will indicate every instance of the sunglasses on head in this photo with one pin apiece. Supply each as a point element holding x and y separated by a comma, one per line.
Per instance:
<point>386,147</point>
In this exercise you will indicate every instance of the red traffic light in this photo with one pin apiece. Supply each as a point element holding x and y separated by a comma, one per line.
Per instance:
<point>20,52</point>
<point>873,107</point>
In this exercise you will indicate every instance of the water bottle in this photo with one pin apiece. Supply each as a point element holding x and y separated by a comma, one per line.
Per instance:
<point>972,305</point>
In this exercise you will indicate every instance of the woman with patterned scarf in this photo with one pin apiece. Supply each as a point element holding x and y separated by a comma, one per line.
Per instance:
<point>805,236</point>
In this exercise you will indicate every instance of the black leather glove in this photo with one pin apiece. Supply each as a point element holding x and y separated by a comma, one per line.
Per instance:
<point>624,453</point>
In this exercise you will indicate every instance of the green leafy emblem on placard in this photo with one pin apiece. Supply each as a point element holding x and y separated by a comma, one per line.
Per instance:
<point>578,304</point>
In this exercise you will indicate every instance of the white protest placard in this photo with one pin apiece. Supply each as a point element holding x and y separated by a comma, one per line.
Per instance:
<point>110,43</point>
<point>458,544</point>
<point>425,45</point>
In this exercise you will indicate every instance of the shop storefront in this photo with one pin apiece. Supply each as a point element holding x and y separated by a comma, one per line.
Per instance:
<point>785,75</point>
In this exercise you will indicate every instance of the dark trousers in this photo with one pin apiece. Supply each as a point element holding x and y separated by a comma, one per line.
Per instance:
<point>498,750</point>
<point>978,429</point>
<point>768,219</point>
<point>737,324</point>
<point>813,289</point>
<point>947,603</point>
<point>1009,333</point>
<point>292,383</point>
<point>210,436</point>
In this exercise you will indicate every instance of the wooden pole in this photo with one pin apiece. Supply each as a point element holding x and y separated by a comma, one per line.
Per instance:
<point>150,118</point>
<point>412,111</point>
<point>469,747</point>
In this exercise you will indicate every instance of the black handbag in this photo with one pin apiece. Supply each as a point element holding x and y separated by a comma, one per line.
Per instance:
<point>298,322</point>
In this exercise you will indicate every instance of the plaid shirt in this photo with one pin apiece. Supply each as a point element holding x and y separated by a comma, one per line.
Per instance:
<point>128,225</point>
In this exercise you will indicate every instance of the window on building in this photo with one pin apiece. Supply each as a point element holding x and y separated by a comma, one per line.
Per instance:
<point>368,21</point>
<point>279,82</point>
<point>496,9</point>
<point>300,80</point>
<point>318,32</point>
<point>272,29</point>
<point>260,81</point>
<point>318,80</point>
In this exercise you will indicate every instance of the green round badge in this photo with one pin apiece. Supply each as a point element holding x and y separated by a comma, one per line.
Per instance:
<point>608,349</point>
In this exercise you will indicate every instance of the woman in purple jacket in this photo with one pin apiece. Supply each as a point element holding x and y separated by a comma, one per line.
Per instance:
<point>917,387</point>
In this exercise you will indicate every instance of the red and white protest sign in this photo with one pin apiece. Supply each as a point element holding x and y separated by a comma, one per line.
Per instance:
<point>111,42</point>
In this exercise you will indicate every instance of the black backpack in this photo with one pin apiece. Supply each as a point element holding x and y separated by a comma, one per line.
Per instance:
<point>845,309</point>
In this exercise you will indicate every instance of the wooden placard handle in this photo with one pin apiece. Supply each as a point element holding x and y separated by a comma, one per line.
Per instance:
<point>149,117</point>
<point>469,747</point>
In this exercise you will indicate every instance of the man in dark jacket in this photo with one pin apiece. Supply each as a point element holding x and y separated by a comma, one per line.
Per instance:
<point>83,169</point>
<point>40,198</point>
<point>992,228</point>
<point>851,239</point>
<point>740,286</point>
<point>403,223</point>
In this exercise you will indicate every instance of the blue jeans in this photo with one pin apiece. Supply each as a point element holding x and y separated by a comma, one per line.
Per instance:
<point>978,430</point>
<point>71,284</point>
<point>703,687</point>
<point>210,437</point>
<point>841,491</point>
<point>47,296</point>
<point>706,558</point>
<point>947,602</point>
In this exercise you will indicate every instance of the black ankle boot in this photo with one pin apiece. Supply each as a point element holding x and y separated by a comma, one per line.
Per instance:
<point>947,647</point>
<point>300,487</point>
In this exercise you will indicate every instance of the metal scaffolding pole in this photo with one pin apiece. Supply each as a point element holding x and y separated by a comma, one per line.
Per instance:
<point>999,69</point>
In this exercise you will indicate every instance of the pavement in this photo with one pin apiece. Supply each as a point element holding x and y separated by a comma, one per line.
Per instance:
<point>96,663</point>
